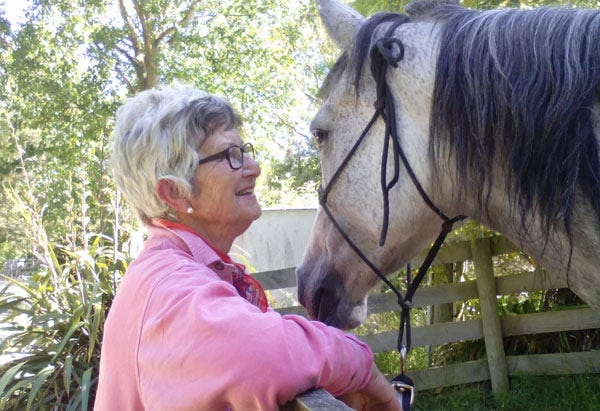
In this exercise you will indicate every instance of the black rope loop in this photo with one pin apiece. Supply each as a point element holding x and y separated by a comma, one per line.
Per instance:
<point>385,49</point>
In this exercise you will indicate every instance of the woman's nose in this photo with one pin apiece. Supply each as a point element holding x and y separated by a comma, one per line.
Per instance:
<point>251,166</point>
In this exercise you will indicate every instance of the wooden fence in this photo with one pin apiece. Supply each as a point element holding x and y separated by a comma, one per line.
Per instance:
<point>496,367</point>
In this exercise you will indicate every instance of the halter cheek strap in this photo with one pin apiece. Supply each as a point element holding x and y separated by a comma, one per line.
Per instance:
<point>386,52</point>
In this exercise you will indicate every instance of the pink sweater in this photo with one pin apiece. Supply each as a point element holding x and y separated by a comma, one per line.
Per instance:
<point>179,337</point>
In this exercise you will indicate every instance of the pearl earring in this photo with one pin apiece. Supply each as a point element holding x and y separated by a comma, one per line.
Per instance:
<point>190,210</point>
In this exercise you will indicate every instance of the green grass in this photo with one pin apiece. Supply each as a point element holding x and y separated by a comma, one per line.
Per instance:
<point>527,393</point>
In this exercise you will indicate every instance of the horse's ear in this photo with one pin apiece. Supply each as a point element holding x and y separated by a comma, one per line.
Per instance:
<point>341,21</point>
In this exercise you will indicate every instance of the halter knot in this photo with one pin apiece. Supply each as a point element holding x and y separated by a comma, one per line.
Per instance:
<point>386,49</point>
<point>447,225</point>
<point>404,303</point>
<point>379,104</point>
<point>449,222</point>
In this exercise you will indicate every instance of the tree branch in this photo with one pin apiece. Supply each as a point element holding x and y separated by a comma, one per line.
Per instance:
<point>189,14</point>
<point>146,34</point>
<point>185,20</point>
<point>130,86</point>
<point>124,52</point>
<point>171,30</point>
<point>130,28</point>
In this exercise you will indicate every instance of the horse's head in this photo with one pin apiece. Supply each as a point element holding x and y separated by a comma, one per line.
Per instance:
<point>497,115</point>
<point>333,281</point>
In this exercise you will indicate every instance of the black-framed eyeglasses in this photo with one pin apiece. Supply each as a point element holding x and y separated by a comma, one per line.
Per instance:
<point>233,154</point>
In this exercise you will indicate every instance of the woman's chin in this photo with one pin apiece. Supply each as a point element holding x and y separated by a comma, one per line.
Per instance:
<point>249,211</point>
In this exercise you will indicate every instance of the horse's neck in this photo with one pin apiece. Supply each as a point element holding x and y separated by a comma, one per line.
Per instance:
<point>574,259</point>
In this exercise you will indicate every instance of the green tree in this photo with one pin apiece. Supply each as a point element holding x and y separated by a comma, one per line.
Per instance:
<point>72,63</point>
<point>369,7</point>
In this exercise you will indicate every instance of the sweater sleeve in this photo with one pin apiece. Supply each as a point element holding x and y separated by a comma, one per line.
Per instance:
<point>202,346</point>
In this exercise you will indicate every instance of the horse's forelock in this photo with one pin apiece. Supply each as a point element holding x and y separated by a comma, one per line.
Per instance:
<point>522,83</point>
<point>334,74</point>
<point>364,40</point>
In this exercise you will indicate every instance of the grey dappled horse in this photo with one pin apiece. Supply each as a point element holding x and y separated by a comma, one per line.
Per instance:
<point>498,115</point>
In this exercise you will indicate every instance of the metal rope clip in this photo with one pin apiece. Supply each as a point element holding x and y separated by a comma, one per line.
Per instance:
<point>404,389</point>
<point>403,384</point>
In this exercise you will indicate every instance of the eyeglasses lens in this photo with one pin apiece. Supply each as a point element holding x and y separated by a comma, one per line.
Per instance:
<point>236,157</point>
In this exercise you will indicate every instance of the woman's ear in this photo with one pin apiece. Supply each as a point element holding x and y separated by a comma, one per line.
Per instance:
<point>168,191</point>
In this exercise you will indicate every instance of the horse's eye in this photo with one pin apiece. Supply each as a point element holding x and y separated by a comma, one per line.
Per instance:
<point>319,135</point>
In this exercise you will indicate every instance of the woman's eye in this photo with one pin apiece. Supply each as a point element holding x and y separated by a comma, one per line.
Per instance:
<point>319,135</point>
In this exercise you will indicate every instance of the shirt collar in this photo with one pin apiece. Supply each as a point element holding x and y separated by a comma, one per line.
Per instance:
<point>198,248</point>
<point>219,262</point>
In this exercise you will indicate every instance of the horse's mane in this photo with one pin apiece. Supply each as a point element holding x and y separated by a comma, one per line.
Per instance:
<point>521,86</point>
<point>515,84</point>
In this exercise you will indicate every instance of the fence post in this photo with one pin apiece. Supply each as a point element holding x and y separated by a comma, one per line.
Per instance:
<point>442,313</point>
<point>490,316</point>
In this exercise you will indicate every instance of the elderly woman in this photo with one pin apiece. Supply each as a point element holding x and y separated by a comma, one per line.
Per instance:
<point>188,328</point>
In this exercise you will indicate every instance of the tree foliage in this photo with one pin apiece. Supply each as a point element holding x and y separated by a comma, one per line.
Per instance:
<point>69,66</point>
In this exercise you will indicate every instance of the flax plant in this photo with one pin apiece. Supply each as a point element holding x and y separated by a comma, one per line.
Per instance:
<point>54,330</point>
<point>51,321</point>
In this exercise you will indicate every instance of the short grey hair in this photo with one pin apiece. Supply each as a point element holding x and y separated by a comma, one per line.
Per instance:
<point>157,134</point>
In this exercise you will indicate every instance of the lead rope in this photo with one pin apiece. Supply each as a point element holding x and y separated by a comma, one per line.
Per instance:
<point>382,55</point>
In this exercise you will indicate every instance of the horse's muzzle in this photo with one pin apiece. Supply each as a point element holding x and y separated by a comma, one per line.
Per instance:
<point>327,303</point>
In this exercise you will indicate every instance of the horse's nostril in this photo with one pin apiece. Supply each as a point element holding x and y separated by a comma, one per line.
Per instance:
<point>315,311</point>
<point>326,304</point>
<point>319,305</point>
<point>301,278</point>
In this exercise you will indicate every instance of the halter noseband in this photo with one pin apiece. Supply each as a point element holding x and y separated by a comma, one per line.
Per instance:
<point>388,51</point>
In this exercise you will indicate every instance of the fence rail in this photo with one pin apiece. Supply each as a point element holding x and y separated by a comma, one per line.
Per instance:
<point>492,327</point>
<point>20,268</point>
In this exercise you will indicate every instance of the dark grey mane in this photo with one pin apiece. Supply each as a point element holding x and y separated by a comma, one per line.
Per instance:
<point>521,86</point>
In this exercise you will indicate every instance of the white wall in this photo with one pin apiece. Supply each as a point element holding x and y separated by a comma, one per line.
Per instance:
<point>276,240</point>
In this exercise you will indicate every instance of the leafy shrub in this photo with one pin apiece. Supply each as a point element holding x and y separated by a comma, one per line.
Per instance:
<point>54,322</point>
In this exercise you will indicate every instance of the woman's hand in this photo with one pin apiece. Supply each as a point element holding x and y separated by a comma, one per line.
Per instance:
<point>378,395</point>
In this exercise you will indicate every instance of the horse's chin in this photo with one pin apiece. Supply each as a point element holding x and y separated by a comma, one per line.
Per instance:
<point>328,308</point>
